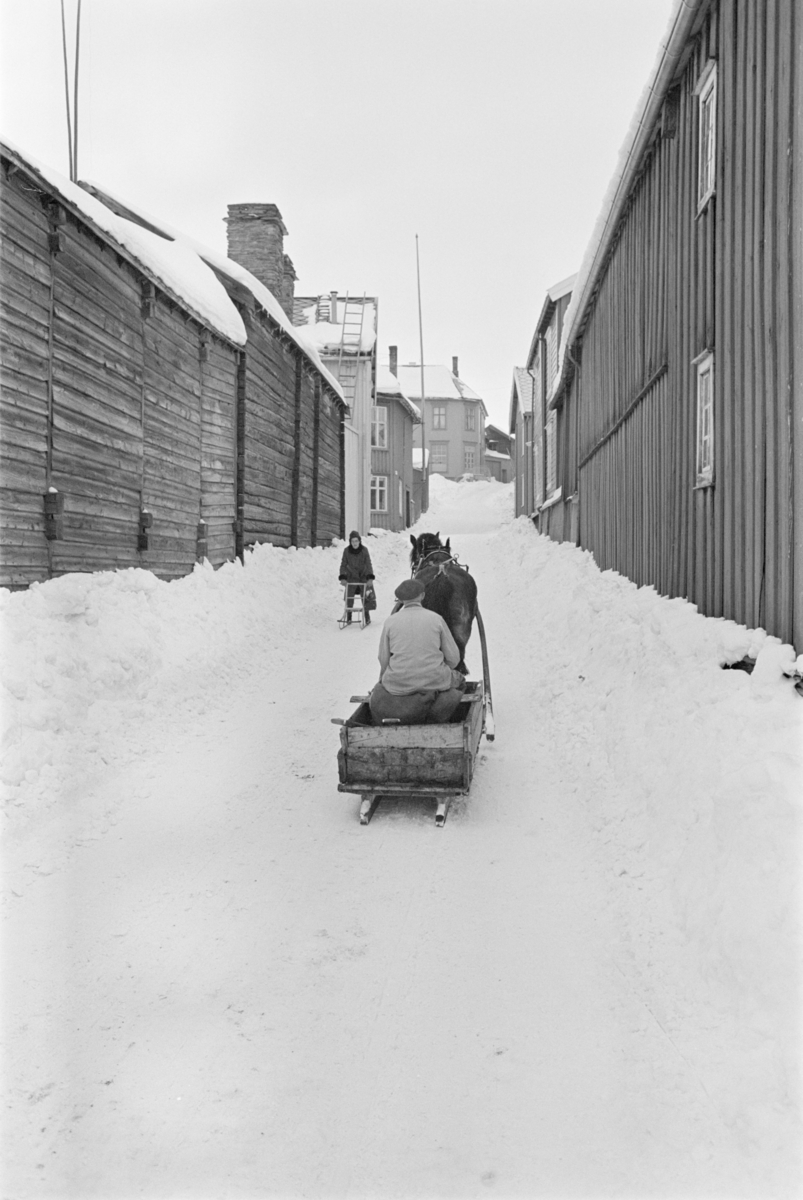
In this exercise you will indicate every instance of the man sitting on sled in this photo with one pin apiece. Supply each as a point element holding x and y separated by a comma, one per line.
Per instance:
<point>417,656</point>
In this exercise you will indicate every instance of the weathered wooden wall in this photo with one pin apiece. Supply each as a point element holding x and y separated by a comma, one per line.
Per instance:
<point>678,283</point>
<point>124,403</point>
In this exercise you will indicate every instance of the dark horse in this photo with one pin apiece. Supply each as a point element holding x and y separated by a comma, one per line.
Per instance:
<point>450,590</point>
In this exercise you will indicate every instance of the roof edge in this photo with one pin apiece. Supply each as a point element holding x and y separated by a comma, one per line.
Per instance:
<point>671,54</point>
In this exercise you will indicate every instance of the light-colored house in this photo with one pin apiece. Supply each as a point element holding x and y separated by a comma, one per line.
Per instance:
<point>392,497</point>
<point>537,479</point>
<point>498,450</point>
<point>342,329</point>
<point>454,419</point>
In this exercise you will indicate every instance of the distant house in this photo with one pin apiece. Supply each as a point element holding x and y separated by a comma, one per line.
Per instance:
<point>498,447</point>
<point>537,486</point>
<point>394,419</point>
<point>343,330</point>
<point>454,419</point>
<point>678,407</point>
<point>157,406</point>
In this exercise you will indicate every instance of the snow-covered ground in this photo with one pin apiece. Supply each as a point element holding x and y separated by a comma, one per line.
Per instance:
<point>218,984</point>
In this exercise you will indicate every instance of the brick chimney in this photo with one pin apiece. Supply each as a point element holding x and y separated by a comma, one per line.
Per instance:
<point>256,235</point>
<point>393,356</point>
<point>289,278</point>
<point>455,371</point>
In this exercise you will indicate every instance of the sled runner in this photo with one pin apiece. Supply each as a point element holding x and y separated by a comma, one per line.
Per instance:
<point>410,760</point>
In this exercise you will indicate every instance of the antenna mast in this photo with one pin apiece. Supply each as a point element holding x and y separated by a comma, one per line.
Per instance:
<point>67,92</point>
<point>75,101</point>
<point>424,471</point>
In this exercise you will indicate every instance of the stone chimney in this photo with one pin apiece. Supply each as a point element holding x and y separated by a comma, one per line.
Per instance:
<point>455,371</point>
<point>393,356</point>
<point>256,235</point>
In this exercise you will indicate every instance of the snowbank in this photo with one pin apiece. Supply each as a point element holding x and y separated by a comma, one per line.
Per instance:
<point>677,781</point>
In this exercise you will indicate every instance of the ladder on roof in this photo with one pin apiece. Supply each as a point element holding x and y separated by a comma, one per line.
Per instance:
<point>348,357</point>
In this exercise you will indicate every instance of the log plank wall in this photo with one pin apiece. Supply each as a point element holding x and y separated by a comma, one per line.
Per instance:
<point>676,283</point>
<point>118,397</point>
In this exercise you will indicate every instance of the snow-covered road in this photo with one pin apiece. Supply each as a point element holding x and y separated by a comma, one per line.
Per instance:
<point>586,984</point>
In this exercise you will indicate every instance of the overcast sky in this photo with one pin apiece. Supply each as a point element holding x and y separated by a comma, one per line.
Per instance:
<point>490,128</point>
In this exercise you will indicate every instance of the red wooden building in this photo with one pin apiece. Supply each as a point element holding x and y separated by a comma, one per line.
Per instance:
<point>679,400</point>
<point>157,406</point>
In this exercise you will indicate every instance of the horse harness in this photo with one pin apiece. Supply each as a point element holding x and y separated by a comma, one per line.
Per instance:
<point>442,564</point>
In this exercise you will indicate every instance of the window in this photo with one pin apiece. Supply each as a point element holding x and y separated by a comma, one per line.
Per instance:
<point>551,456</point>
<point>707,135</point>
<point>438,456</point>
<point>705,419</point>
<point>471,418</point>
<point>379,427</point>
<point>469,458</point>
<point>379,493</point>
<point>438,416</point>
<point>401,499</point>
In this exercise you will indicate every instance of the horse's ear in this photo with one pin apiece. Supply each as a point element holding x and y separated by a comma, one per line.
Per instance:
<point>412,539</point>
<point>448,545</point>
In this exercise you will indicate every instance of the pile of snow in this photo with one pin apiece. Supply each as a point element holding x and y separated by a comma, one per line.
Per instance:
<point>680,780</point>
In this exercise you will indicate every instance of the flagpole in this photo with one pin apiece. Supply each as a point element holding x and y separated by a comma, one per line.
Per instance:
<point>424,471</point>
<point>67,91</point>
<point>75,81</point>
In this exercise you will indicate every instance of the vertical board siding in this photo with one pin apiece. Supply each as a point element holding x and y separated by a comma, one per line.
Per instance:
<point>117,397</point>
<point>679,282</point>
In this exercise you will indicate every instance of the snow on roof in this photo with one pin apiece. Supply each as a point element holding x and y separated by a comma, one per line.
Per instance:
<point>559,290</point>
<point>667,60</point>
<point>184,267</point>
<point>439,383</point>
<point>327,334</point>
<point>522,390</point>
<point>497,455</point>
<point>388,385</point>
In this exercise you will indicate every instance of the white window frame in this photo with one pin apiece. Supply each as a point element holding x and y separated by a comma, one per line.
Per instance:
<point>550,433</point>
<point>379,427</point>
<point>470,452</point>
<point>706,135</point>
<point>379,493</point>
<point>438,451</point>
<point>438,416</point>
<point>704,438</point>
<point>401,498</point>
<point>470,424</point>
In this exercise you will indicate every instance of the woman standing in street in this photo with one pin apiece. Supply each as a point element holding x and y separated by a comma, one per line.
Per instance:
<point>355,569</point>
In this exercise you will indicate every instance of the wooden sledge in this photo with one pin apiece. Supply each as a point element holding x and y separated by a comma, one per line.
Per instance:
<point>411,760</point>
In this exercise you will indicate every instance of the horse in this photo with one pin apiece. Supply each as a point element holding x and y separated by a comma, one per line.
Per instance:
<point>450,590</point>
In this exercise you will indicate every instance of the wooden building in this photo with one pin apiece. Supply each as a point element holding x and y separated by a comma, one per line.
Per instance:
<point>157,408</point>
<point>524,427</point>
<point>453,419</point>
<point>393,499</point>
<point>537,486</point>
<point>679,403</point>
<point>499,450</point>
